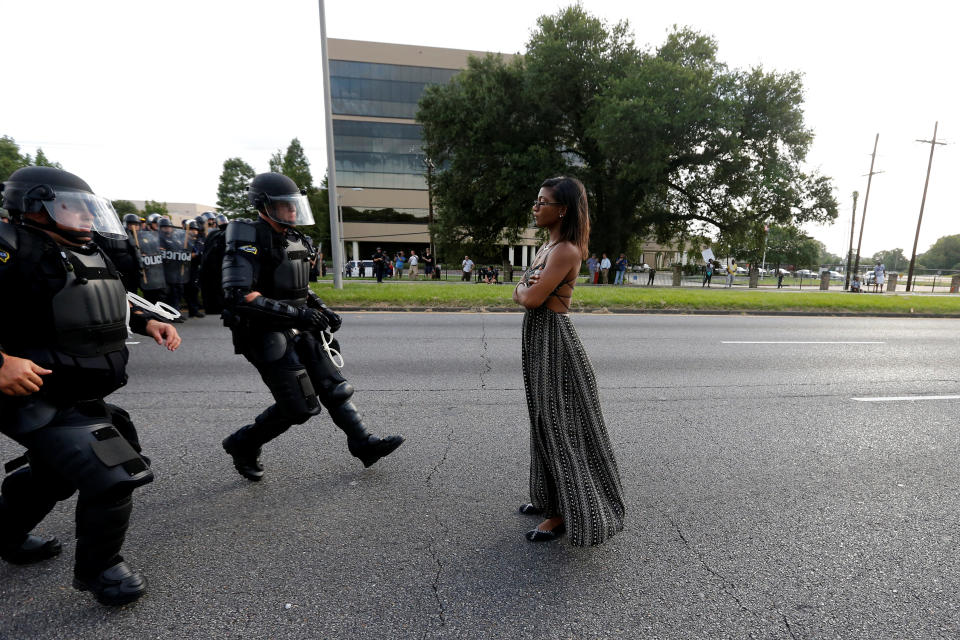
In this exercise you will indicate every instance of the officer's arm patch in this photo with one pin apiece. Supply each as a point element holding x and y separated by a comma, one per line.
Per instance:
<point>4,256</point>
<point>249,248</point>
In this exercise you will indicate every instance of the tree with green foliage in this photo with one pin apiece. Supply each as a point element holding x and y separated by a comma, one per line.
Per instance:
<point>787,245</point>
<point>293,164</point>
<point>670,143</point>
<point>152,206</point>
<point>893,260</point>
<point>944,254</point>
<point>123,207</point>
<point>42,161</point>
<point>232,191</point>
<point>11,159</point>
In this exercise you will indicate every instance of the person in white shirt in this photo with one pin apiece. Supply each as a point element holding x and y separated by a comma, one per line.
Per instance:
<point>605,269</point>
<point>412,264</point>
<point>467,268</point>
<point>879,272</point>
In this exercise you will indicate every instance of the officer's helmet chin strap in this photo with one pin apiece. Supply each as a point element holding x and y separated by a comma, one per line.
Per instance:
<point>161,309</point>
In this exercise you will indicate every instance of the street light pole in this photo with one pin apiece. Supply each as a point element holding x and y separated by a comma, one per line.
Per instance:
<point>335,242</point>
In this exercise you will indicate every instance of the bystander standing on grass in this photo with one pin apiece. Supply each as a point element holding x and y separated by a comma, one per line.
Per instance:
<point>413,264</point>
<point>605,269</point>
<point>621,269</point>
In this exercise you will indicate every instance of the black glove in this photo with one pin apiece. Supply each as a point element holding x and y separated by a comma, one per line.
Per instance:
<point>311,320</point>
<point>333,319</point>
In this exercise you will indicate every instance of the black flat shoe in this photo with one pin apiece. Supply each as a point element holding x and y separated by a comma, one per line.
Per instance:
<point>33,549</point>
<point>115,586</point>
<point>539,535</point>
<point>374,448</point>
<point>530,510</point>
<point>244,460</point>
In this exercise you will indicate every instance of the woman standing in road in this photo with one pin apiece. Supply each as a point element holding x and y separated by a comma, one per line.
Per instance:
<point>574,481</point>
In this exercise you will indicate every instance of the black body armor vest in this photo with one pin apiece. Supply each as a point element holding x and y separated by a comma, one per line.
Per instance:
<point>70,317</point>
<point>291,276</point>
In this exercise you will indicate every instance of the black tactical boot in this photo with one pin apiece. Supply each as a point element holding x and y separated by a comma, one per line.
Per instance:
<point>33,549</point>
<point>369,448</point>
<point>115,586</point>
<point>373,448</point>
<point>245,457</point>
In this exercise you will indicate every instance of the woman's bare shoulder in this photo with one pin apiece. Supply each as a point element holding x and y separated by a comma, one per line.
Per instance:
<point>567,251</point>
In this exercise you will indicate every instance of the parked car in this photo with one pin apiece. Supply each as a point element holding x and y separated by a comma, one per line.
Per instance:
<point>352,269</point>
<point>781,271</point>
<point>805,273</point>
<point>641,268</point>
<point>868,277</point>
<point>835,275</point>
<point>741,271</point>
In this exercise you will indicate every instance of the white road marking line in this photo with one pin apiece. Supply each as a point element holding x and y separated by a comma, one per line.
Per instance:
<point>900,398</point>
<point>799,342</point>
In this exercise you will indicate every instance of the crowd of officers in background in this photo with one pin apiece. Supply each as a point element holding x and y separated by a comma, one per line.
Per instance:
<point>179,266</point>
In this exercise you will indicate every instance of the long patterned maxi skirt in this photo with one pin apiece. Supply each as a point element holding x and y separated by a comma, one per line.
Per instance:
<point>572,469</point>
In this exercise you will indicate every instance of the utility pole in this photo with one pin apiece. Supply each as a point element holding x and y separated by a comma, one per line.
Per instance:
<point>336,246</point>
<point>853,223</point>
<point>913,257</point>
<point>866,199</point>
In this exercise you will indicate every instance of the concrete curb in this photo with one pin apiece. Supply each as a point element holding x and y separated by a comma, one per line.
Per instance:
<point>682,312</point>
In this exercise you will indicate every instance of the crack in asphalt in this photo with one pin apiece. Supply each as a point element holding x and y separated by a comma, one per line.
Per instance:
<point>484,356</point>
<point>786,623</point>
<point>728,585</point>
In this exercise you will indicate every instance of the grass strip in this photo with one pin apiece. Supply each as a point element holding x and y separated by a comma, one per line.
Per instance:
<point>482,296</point>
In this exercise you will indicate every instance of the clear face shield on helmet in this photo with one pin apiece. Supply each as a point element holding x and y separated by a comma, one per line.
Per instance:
<point>82,213</point>
<point>290,210</point>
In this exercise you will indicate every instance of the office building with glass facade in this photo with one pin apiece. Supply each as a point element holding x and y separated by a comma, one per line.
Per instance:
<point>381,170</point>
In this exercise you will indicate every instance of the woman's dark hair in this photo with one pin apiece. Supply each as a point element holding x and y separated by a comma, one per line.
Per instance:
<point>575,224</point>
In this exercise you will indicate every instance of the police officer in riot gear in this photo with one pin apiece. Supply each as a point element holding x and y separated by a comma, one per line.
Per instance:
<point>176,260</point>
<point>153,282</point>
<point>191,288</point>
<point>62,350</point>
<point>153,221</point>
<point>278,324</point>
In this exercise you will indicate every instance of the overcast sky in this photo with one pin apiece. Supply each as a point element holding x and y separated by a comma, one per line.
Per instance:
<point>146,100</point>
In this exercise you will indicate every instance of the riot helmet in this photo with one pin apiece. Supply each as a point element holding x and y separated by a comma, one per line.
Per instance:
<point>191,224</point>
<point>222,221</point>
<point>131,218</point>
<point>165,226</point>
<point>278,197</point>
<point>69,202</point>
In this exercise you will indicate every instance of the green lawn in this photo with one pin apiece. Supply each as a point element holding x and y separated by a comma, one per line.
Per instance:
<point>481,296</point>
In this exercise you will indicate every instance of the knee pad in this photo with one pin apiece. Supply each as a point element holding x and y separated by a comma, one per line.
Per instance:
<point>341,393</point>
<point>91,454</point>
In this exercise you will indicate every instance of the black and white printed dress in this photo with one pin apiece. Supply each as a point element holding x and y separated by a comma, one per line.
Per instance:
<point>573,472</point>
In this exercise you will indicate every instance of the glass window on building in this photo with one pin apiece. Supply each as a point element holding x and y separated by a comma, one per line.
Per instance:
<point>378,155</point>
<point>381,90</point>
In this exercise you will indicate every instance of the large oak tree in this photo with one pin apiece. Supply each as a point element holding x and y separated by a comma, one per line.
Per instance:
<point>670,143</point>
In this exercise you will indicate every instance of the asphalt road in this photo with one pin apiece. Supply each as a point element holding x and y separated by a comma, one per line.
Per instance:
<point>763,500</point>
